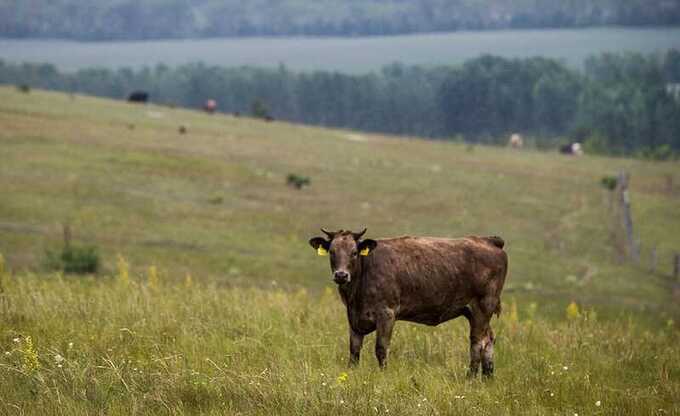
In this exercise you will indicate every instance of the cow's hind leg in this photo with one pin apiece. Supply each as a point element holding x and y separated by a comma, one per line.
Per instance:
<point>487,354</point>
<point>481,336</point>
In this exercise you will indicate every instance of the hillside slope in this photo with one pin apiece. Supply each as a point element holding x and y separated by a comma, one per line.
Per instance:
<point>214,201</point>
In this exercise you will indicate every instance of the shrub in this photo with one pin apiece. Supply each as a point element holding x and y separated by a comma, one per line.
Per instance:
<point>260,110</point>
<point>74,259</point>
<point>597,144</point>
<point>609,182</point>
<point>298,181</point>
<point>216,200</point>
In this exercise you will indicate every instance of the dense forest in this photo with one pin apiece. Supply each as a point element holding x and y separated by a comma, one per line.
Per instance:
<point>620,104</point>
<point>153,19</point>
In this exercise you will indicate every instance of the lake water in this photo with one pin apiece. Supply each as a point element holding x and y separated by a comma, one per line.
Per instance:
<point>354,55</point>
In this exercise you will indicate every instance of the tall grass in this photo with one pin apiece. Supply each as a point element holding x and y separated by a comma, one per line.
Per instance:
<point>86,346</point>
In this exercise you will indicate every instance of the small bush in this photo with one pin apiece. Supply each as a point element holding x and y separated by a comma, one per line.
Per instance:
<point>597,144</point>
<point>609,182</point>
<point>216,200</point>
<point>74,259</point>
<point>298,181</point>
<point>260,110</point>
<point>24,88</point>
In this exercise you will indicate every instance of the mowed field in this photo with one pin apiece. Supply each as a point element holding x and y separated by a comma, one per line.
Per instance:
<point>241,316</point>
<point>353,55</point>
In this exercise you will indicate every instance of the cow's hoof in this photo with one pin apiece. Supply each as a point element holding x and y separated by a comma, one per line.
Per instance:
<point>487,369</point>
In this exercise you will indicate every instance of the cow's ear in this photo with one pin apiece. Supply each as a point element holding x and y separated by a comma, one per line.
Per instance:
<point>366,246</point>
<point>320,244</point>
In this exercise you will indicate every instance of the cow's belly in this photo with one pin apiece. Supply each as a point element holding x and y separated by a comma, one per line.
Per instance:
<point>432,315</point>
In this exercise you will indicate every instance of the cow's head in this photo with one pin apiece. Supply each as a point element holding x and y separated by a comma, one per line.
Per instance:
<point>345,249</point>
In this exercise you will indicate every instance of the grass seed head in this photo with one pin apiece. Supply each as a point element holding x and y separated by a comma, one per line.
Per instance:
<point>152,275</point>
<point>123,271</point>
<point>30,356</point>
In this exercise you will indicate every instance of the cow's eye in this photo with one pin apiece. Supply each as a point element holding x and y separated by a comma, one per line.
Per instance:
<point>354,253</point>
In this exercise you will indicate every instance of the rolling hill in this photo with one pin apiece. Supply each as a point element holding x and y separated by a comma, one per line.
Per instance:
<point>214,201</point>
<point>257,328</point>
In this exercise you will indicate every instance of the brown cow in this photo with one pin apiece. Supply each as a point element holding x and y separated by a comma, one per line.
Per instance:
<point>418,279</point>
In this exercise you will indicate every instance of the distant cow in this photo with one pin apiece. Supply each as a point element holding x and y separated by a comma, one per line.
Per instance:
<point>418,279</point>
<point>574,149</point>
<point>138,97</point>
<point>210,106</point>
<point>516,141</point>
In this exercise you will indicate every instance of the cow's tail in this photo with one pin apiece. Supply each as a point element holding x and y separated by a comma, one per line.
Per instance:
<point>502,275</point>
<point>496,241</point>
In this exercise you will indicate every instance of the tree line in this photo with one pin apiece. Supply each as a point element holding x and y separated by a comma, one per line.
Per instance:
<point>623,104</point>
<point>153,19</point>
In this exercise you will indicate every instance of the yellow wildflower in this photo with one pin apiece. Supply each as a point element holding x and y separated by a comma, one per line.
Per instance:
<point>123,271</point>
<point>343,377</point>
<point>4,277</point>
<point>533,307</point>
<point>30,362</point>
<point>572,311</point>
<point>152,275</point>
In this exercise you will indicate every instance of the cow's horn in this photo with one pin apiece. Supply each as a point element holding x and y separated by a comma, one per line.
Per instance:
<point>330,234</point>
<point>357,236</point>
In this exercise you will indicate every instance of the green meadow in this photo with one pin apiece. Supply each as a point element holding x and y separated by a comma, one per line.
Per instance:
<point>210,301</point>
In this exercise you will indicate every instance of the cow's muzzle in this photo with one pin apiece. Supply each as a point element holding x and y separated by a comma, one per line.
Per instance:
<point>340,277</point>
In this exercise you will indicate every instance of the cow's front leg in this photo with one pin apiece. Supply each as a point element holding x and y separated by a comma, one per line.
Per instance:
<point>356,341</point>
<point>384,325</point>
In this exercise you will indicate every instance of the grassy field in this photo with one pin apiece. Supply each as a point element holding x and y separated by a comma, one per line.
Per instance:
<point>355,55</point>
<point>104,347</point>
<point>258,329</point>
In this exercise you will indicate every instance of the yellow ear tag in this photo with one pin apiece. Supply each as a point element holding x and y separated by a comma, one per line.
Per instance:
<point>321,251</point>
<point>364,252</point>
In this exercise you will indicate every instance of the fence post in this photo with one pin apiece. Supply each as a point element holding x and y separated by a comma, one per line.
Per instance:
<point>669,184</point>
<point>676,276</point>
<point>624,200</point>
<point>66,229</point>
